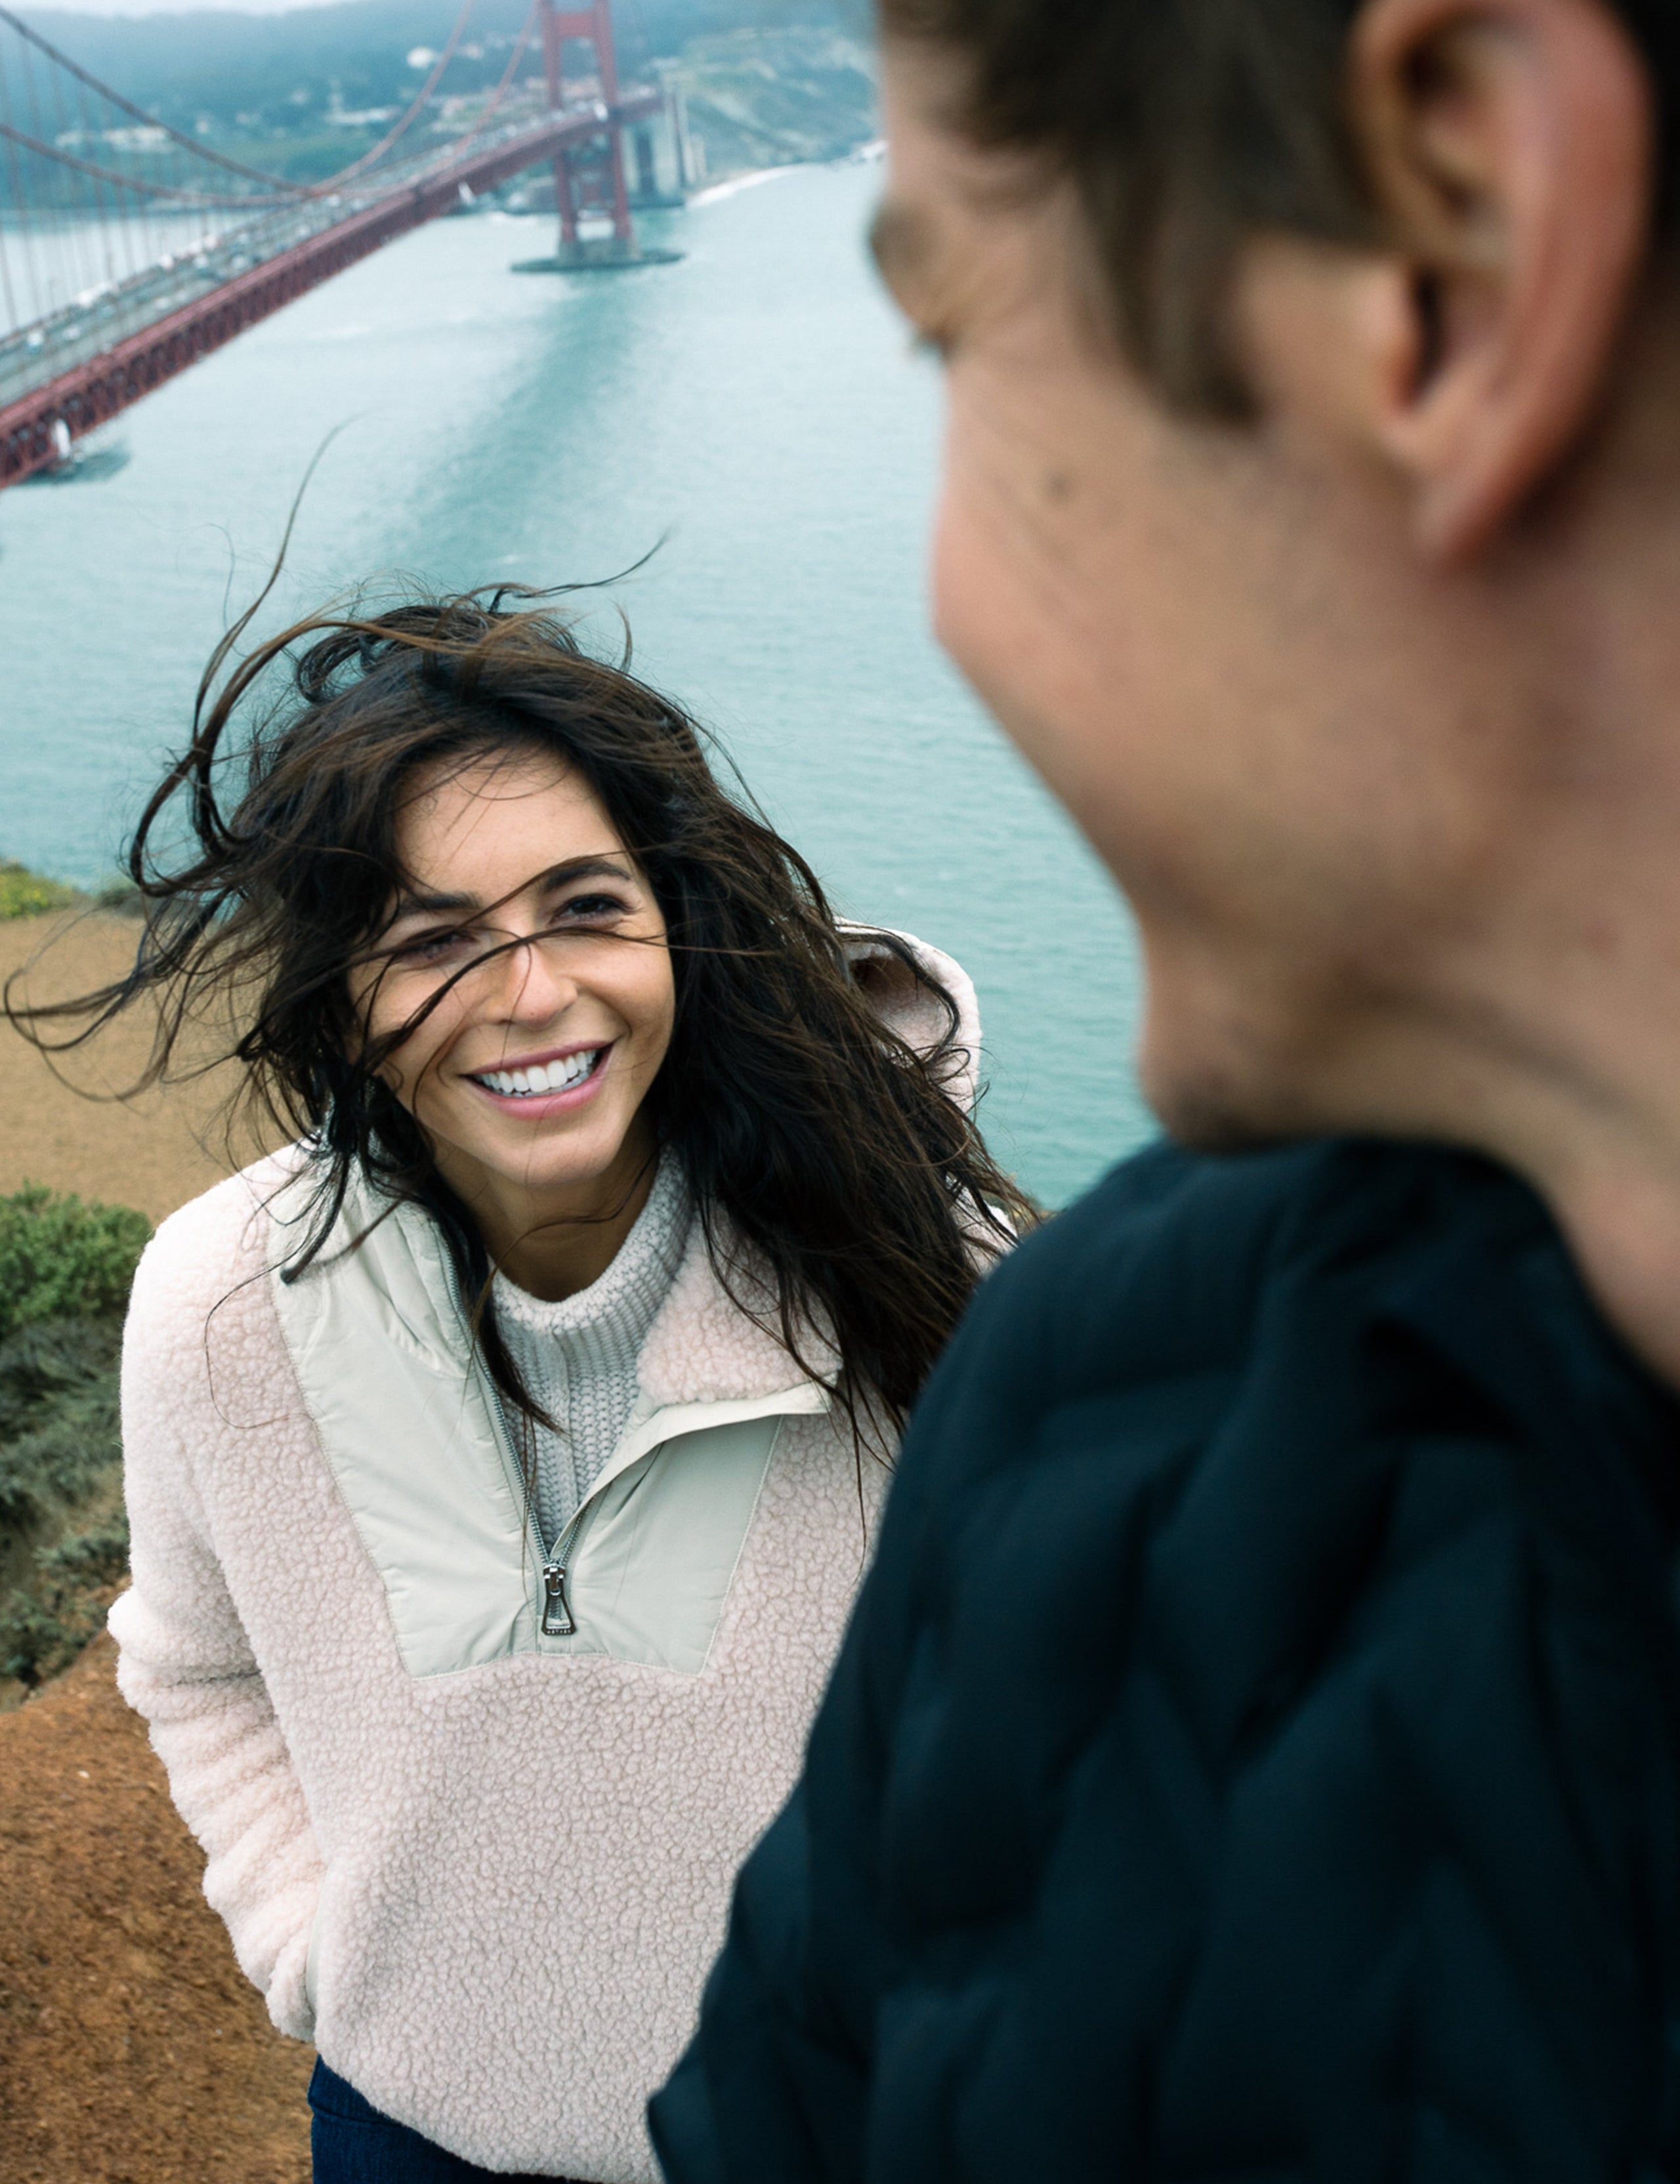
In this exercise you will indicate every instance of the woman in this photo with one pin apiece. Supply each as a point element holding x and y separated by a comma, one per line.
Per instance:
<point>501,1458</point>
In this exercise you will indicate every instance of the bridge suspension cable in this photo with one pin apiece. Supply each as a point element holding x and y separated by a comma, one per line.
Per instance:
<point>277,186</point>
<point>125,255</point>
<point>199,151</point>
<point>277,190</point>
<point>106,219</point>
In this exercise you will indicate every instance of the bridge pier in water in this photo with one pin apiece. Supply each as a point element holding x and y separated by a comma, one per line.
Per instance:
<point>590,180</point>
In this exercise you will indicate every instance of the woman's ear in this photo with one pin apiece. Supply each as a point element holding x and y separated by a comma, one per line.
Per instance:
<point>1508,145</point>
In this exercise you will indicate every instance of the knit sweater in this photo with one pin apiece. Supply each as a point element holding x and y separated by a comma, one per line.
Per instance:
<point>577,1357</point>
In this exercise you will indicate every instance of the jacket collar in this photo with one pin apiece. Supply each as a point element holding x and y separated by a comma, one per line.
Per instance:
<point>706,1347</point>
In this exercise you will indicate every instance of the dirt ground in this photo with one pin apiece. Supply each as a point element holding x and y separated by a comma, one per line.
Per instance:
<point>155,1152</point>
<point>130,2047</point>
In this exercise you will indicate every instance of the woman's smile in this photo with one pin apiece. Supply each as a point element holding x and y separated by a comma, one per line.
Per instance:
<point>540,1085</point>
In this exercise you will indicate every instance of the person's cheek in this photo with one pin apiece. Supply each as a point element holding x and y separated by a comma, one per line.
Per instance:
<point>959,582</point>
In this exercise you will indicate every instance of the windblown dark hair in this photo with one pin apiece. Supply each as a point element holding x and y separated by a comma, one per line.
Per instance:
<point>267,865</point>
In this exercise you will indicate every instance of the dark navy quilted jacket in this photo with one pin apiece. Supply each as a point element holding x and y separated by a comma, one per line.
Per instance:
<point>1256,1754</point>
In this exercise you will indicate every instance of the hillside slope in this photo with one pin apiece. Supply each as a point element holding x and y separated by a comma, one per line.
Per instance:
<point>131,2049</point>
<point>772,98</point>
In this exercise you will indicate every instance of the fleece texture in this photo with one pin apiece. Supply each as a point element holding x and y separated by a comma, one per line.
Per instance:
<point>514,1876</point>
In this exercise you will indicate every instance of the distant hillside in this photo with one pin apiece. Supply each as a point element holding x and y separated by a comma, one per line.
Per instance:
<point>312,71</point>
<point>769,98</point>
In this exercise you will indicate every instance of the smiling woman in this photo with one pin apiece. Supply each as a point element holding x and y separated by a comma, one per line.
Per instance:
<point>501,1458</point>
<point>534,1045</point>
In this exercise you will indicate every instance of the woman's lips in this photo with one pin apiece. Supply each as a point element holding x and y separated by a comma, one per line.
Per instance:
<point>548,1087</point>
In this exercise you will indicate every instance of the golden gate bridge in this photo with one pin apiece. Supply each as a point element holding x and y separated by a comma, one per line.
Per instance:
<point>130,249</point>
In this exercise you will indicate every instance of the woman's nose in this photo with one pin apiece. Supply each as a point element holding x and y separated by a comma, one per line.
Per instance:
<point>534,986</point>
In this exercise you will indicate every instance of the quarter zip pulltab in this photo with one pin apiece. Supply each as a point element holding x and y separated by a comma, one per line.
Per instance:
<point>557,1619</point>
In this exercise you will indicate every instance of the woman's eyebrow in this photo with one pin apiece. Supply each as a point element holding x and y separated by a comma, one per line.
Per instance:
<point>423,902</point>
<point>428,902</point>
<point>597,866</point>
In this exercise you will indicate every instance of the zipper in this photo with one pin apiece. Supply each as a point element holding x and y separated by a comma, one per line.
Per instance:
<point>558,1619</point>
<point>555,1619</point>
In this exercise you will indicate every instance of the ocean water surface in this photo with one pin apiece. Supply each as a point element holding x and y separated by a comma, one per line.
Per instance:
<point>754,413</point>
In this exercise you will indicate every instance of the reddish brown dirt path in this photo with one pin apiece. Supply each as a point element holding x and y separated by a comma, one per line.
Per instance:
<point>131,2049</point>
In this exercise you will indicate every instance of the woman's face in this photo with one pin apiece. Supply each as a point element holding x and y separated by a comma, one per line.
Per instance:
<point>529,1075</point>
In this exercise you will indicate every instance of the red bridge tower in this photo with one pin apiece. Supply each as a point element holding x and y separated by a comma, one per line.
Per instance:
<point>589,180</point>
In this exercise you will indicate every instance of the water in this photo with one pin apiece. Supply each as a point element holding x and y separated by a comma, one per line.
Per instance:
<point>757,409</point>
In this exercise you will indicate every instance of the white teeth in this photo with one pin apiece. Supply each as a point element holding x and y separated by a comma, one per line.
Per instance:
<point>547,1077</point>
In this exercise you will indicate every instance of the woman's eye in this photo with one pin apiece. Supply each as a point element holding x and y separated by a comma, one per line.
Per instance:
<point>429,947</point>
<point>594,906</point>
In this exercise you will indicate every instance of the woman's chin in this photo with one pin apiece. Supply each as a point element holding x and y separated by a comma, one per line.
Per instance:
<point>533,1162</point>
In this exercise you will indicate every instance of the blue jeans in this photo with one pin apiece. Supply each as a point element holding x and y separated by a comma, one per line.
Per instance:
<point>353,2143</point>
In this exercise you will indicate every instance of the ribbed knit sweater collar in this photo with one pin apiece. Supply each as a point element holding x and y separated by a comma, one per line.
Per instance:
<point>631,1291</point>
<point>579,1357</point>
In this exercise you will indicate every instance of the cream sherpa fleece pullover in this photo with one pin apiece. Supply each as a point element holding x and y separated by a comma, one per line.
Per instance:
<point>471,1822</point>
<point>578,1357</point>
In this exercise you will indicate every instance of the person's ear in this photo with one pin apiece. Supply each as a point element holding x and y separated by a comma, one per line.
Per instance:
<point>1510,149</point>
<point>1509,144</point>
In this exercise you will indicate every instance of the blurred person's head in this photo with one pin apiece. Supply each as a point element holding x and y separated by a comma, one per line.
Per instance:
<point>1311,520</point>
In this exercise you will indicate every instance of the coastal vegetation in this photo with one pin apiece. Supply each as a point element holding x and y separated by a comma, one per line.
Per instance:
<point>776,98</point>
<point>25,894</point>
<point>65,1269</point>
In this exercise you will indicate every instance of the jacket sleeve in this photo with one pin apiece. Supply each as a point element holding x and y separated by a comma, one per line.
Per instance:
<point>185,1664</point>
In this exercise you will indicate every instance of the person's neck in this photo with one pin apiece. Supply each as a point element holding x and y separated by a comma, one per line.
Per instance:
<point>1551,1042</point>
<point>553,1244</point>
<point>1551,1039</point>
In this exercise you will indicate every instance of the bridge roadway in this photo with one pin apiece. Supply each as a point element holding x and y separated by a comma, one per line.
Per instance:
<point>87,362</point>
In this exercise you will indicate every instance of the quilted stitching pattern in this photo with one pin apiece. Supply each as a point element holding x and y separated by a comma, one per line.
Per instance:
<point>1248,1762</point>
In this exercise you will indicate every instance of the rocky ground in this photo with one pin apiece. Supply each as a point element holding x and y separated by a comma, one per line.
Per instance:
<point>130,2047</point>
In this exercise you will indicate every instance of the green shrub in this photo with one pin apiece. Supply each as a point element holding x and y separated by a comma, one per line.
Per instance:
<point>64,1273</point>
<point>46,1621</point>
<point>25,894</point>
<point>61,1260</point>
<point>59,1434</point>
<point>120,897</point>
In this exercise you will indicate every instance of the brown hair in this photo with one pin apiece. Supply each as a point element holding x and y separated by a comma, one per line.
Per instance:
<point>267,861</point>
<point>1186,125</point>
